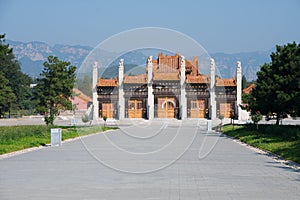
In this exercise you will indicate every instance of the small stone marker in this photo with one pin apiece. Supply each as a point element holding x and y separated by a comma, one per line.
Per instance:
<point>73,122</point>
<point>56,137</point>
<point>209,125</point>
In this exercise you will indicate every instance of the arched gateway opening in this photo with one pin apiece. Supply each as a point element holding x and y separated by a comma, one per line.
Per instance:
<point>166,107</point>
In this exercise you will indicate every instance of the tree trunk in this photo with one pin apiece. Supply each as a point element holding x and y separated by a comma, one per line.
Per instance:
<point>51,117</point>
<point>277,118</point>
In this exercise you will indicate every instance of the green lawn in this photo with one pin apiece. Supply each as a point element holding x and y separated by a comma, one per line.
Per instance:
<point>13,138</point>
<point>281,140</point>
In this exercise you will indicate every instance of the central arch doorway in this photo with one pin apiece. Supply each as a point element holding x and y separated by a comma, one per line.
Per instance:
<point>166,107</point>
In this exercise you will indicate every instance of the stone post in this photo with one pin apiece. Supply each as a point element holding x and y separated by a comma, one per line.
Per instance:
<point>213,105</point>
<point>121,104</point>
<point>150,89</point>
<point>183,103</point>
<point>239,89</point>
<point>95,95</point>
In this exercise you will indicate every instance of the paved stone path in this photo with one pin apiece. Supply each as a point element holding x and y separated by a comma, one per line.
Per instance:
<point>147,161</point>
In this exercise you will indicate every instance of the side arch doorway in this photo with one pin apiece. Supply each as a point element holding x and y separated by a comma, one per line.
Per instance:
<point>197,108</point>
<point>107,109</point>
<point>135,108</point>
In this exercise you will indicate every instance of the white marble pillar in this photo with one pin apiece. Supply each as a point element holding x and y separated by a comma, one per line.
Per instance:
<point>150,89</point>
<point>239,89</point>
<point>213,105</point>
<point>183,103</point>
<point>121,102</point>
<point>94,90</point>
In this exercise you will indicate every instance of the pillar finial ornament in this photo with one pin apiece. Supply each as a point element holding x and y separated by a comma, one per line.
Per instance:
<point>121,62</point>
<point>95,64</point>
<point>149,60</point>
<point>182,61</point>
<point>212,63</point>
<point>238,66</point>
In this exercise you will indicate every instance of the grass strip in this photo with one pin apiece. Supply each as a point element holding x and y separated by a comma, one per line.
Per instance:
<point>14,138</point>
<point>281,140</point>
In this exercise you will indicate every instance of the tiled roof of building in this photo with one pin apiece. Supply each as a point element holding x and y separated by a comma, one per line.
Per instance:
<point>142,78</point>
<point>167,67</point>
<point>192,66</point>
<point>168,63</point>
<point>81,95</point>
<point>248,89</point>
<point>197,79</point>
<point>225,82</point>
<point>107,82</point>
<point>170,76</point>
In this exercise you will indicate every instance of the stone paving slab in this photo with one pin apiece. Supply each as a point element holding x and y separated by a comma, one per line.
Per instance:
<point>148,161</point>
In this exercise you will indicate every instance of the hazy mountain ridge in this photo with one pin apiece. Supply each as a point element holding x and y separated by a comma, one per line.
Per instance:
<point>32,55</point>
<point>251,62</point>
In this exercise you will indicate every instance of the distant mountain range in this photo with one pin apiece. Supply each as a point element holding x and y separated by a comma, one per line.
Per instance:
<point>251,62</point>
<point>32,55</point>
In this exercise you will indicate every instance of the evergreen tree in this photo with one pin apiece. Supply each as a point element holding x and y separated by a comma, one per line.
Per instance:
<point>244,82</point>
<point>24,92</point>
<point>54,88</point>
<point>278,84</point>
<point>7,97</point>
<point>17,80</point>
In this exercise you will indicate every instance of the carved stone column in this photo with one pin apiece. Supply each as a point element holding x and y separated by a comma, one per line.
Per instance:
<point>213,105</point>
<point>95,95</point>
<point>150,89</point>
<point>183,103</point>
<point>121,103</point>
<point>239,89</point>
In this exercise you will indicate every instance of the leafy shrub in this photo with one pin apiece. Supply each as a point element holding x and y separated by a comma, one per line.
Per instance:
<point>85,118</point>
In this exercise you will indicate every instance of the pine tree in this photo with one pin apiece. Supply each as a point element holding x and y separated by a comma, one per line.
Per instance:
<point>7,97</point>
<point>244,82</point>
<point>278,84</point>
<point>17,80</point>
<point>54,88</point>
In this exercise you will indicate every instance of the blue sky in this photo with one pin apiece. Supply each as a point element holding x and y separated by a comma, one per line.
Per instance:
<point>219,26</point>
